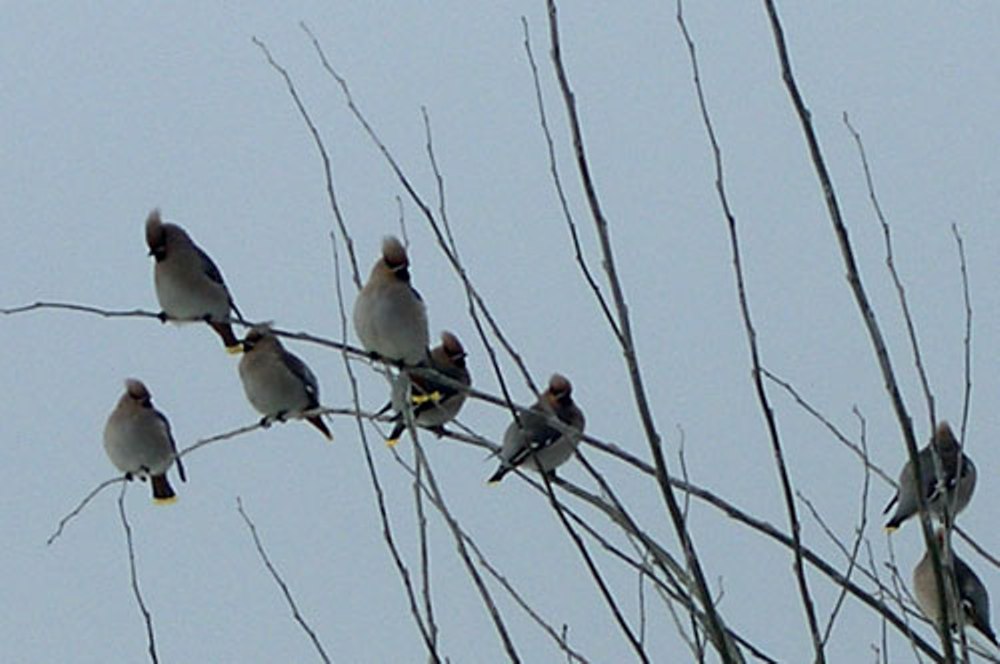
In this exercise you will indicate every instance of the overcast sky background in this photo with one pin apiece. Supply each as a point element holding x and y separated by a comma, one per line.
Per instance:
<point>111,110</point>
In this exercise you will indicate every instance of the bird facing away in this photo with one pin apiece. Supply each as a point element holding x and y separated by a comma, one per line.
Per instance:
<point>138,441</point>
<point>954,490</point>
<point>277,383</point>
<point>390,318</point>
<point>972,598</point>
<point>188,284</point>
<point>537,444</point>
<point>431,402</point>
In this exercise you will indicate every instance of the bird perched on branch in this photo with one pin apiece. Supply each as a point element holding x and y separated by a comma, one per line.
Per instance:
<point>534,441</point>
<point>953,489</point>
<point>277,383</point>
<point>390,318</point>
<point>973,600</point>
<point>431,402</point>
<point>138,441</point>
<point>188,284</point>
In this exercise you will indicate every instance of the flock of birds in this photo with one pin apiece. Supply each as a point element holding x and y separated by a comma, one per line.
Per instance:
<point>947,479</point>
<point>390,320</point>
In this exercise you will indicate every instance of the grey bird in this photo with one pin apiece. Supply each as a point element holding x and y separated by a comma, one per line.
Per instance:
<point>390,318</point>
<point>536,443</point>
<point>972,597</point>
<point>954,489</point>
<point>277,383</point>
<point>430,401</point>
<point>138,441</point>
<point>188,284</point>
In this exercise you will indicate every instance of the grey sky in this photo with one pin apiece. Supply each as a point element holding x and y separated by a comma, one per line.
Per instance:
<point>110,111</point>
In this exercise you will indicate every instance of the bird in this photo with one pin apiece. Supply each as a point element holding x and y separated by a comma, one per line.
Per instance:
<point>972,597</point>
<point>532,441</point>
<point>954,489</point>
<point>389,315</point>
<point>138,441</point>
<point>189,286</point>
<point>431,402</point>
<point>277,383</point>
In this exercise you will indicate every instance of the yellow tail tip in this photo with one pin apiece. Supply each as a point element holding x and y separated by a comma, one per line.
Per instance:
<point>391,442</point>
<point>419,399</point>
<point>165,501</point>
<point>889,530</point>
<point>234,350</point>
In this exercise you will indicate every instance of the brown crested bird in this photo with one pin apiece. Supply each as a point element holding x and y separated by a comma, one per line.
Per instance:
<point>953,489</point>
<point>138,441</point>
<point>534,442</point>
<point>390,318</point>
<point>972,597</point>
<point>431,402</point>
<point>188,284</point>
<point>277,383</point>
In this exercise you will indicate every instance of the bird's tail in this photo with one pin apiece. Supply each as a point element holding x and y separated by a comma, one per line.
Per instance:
<point>162,491</point>
<point>397,431</point>
<point>225,332</point>
<point>499,475</point>
<point>318,422</point>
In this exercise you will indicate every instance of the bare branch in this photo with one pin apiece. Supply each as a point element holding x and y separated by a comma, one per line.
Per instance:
<point>321,147</point>
<point>79,508</point>
<point>469,542</point>
<point>557,182</point>
<point>594,572</point>
<point>890,263</point>
<point>967,342</point>
<point>281,583</point>
<point>146,615</point>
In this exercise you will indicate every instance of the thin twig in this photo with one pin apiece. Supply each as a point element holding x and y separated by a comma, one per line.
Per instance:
<point>146,615</point>
<point>890,263</point>
<point>324,155</point>
<point>751,336</point>
<point>425,561</point>
<point>79,508</point>
<point>595,573</point>
<point>281,583</point>
<point>452,522</point>
<point>469,542</point>
<point>967,341</point>
<point>557,182</point>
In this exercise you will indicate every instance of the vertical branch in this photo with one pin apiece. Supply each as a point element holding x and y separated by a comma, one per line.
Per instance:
<point>725,646</point>
<point>594,572</point>
<point>457,534</point>
<point>321,147</point>
<point>390,542</point>
<point>146,616</point>
<point>557,182</point>
<point>861,297</point>
<point>751,334</point>
<point>967,343</point>
<point>466,544</point>
<point>281,584</point>
<point>890,263</point>
<point>425,563</point>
